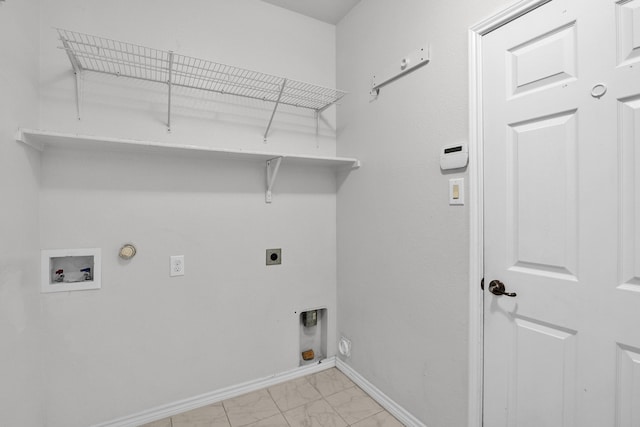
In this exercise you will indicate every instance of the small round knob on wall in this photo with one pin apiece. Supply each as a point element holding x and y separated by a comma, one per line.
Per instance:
<point>128,251</point>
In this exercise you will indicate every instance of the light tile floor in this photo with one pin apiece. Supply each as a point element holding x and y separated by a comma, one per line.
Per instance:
<point>324,399</point>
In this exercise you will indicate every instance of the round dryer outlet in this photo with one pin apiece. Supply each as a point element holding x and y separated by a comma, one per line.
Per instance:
<point>344,347</point>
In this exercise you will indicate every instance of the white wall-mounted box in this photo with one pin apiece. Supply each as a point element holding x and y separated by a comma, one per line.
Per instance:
<point>454,156</point>
<point>70,270</point>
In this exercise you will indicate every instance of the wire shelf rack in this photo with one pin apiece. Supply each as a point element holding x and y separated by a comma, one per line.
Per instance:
<point>97,54</point>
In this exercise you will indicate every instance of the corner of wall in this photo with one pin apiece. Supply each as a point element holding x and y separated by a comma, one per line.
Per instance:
<point>20,318</point>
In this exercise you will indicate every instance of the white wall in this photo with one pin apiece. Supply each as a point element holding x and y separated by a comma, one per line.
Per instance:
<point>20,321</point>
<point>402,250</point>
<point>146,339</point>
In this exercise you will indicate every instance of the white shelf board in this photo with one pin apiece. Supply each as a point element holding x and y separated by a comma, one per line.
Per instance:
<point>45,140</point>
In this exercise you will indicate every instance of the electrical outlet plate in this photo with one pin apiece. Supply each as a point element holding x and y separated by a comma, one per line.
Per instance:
<point>177,265</point>
<point>274,256</point>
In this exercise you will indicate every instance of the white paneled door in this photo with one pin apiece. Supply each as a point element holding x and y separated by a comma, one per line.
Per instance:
<point>561,103</point>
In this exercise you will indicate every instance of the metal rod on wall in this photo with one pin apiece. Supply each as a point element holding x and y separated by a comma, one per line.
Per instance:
<point>273,113</point>
<point>169,83</point>
<point>76,71</point>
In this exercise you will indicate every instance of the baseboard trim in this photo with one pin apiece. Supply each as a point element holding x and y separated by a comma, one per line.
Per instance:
<point>383,400</point>
<point>165,411</point>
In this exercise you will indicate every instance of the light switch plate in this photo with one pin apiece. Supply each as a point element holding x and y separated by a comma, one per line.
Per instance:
<point>456,191</point>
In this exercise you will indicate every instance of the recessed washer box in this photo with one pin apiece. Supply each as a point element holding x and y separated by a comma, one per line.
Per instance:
<point>65,270</point>
<point>313,335</point>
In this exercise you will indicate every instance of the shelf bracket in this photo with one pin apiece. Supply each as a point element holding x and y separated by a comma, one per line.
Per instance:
<point>273,113</point>
<point>316,116</point>
<point>169,84</point>
<point>78,91</point>
<point>77,70</point>
<point>273,165</point>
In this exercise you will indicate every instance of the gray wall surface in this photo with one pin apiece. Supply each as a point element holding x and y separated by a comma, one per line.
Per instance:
<point>145,339</point>
<point>403,266</point>
<point>74,359</point>
<point>20,320</point>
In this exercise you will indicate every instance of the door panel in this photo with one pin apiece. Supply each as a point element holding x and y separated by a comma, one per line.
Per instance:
<point>628,387</point>
<point>553,371</point>
<point>628,23</point>
<point>543,242</point>
<point>544,61</point>
<point>629,128</point>
<point>561,106</point>
<point>531,123</point>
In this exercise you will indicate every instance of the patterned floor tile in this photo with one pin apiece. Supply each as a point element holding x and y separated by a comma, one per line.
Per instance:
<point>353,405</point>
<point>330,382</point>
<point>207,416</point>
<point>382,419</point>
<point>293,393</point>
<point>250,408</point>
<point>314,414</point>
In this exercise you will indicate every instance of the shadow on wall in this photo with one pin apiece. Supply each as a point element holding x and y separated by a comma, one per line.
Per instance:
<point>187,172</point>
<point>111,96</point>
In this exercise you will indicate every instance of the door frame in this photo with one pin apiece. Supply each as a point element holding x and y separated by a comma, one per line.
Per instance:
<point>476,198</point>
